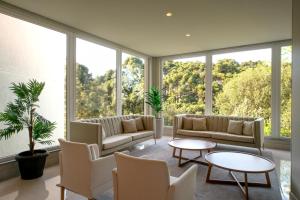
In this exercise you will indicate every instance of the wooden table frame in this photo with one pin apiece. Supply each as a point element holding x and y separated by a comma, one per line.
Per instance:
<point>180,157</point>
<point>243,185</point>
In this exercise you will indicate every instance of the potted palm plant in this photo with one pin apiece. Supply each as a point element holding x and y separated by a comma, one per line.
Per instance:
<point>154,100</point>
<point>21,114</point>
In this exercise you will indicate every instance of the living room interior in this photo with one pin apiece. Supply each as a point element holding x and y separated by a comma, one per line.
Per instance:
<point>149,99</point>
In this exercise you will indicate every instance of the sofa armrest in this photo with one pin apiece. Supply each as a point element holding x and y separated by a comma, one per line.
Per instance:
<point>86,132</point>
<point>184,186</point>
<point>259,132</point>
<point>177,123</point>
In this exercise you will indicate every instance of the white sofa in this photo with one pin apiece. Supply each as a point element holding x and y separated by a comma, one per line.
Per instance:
<point>217,130</point>
<point>108,132</point>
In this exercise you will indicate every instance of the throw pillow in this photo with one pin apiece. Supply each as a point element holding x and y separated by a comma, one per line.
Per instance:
<point>199,124</point>
<point>139,124</point>
<point>187,123</point>
<point>235,127</point>
<point>129,126</point>
<point>248,128</point>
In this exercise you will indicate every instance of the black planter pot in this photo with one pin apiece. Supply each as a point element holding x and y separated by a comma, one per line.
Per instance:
<point>31,166</point>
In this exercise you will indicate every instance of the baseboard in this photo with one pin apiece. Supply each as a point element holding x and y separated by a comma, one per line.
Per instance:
<point>10,169</point>
<point>292,196</point>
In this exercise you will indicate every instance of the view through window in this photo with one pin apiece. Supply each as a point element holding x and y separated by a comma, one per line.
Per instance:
<point>184,89</point>
<point>286,86</point>
<point>132,84</point>
<point>242,84</point>
<point>95,80</point>
<point>29,51</point>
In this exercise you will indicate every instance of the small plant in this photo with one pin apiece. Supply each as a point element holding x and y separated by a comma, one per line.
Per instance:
<point>155,100</point>
<point>21,113</point>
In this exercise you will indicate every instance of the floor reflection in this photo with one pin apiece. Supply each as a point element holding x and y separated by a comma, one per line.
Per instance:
<point>285,178</point>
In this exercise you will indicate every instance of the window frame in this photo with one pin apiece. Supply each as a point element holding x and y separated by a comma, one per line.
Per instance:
<point>71,35</point>
<point>275,47</point>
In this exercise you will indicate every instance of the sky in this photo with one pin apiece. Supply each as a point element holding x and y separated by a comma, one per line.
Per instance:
<point>97,58</point>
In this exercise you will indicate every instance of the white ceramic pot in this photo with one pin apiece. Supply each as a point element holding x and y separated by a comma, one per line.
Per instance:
<point>159,127</point>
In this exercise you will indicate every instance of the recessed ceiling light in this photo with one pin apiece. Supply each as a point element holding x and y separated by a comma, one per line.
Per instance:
<point>188,35</point>
<point>169,14</point>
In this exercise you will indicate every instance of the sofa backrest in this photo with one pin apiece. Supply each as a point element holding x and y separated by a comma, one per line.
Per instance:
<point>219,123</point>
<point>110,125</point>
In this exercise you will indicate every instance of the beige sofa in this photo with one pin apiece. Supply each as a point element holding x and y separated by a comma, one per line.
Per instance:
<point>108,132</point>
<point>216,130</point>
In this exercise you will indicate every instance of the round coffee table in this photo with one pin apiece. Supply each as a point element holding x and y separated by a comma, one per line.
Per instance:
<point>239,162</point>
<point>192,145</point>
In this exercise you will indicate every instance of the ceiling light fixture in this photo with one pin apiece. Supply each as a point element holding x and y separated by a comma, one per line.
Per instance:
<point>187,35</point>
<point>169,14</point>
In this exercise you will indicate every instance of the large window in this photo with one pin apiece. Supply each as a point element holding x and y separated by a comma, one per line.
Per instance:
<point>29,51</point>
<point>132,84</point>
<point>242,84</point>
<point>184,89</point>
<point>95,80</point>
<point>286,86</point>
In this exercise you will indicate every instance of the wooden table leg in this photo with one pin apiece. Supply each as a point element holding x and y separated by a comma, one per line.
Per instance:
<point>174,151</point>
<point>200,153</point>
<point>208,172</point>
<point>246,186</point>
<point>180,157</point>
<point>268,179</point>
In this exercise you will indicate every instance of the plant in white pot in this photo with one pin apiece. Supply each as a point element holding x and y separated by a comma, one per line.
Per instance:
<point>154,100</point>
<point>20,114</point>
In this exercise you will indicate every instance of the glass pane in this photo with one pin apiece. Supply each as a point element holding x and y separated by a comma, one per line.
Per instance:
<point>184,89</point>
<point>132,84</point>
<point>286,86</point>
<point>242,84</point>
<point>95,80</point>
<point>29,51</point>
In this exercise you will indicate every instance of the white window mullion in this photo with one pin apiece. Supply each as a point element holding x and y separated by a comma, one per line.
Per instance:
<point>70,81</point>
<point>275,91</point>
<point>208,85</point>
<point>119,82</point>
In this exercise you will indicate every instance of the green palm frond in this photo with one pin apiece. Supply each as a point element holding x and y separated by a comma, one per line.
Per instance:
<point>154,100</point>
<point>21,113</point>
<point>42,129</point>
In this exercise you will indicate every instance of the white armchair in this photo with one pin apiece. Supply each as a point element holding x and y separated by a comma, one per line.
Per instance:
<point>139,178</point>
<point>82,170</point>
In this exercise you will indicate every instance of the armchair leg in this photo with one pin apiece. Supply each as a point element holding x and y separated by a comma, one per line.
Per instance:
<point>62,193</point>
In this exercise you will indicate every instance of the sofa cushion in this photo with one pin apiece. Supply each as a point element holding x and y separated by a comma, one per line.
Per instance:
<point>248,128</point>
<point>139,124</point>
<point>232,137</point>
<point>187,123</point>
<point>116,140</point>
<point>140,134</point>
<point>129,126</point>
<point>205,134</point>
<point>235,127</point>
<point>199,124</point>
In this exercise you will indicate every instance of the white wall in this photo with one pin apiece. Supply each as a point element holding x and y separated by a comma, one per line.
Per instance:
<point>29,51</point>
<point>295,185</point>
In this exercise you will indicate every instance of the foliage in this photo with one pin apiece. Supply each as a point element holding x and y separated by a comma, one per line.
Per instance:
<point>22,114</point>
<point>242,89</point>
<point>154,100</point>
<point>96,95</point>
<point>184,88</point>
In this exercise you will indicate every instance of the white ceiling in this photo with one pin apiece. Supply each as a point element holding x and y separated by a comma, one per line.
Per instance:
<point>141,24</point>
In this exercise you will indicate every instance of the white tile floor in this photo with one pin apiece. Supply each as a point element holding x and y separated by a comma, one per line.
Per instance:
<point>45,187</point>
